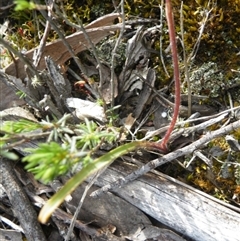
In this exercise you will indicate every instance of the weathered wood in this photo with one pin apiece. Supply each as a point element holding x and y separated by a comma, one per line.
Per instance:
<point>177,205</point>
<point>25,213</point>
<point>8,97</point>
<point>108,209</point>
<point>10,235</point>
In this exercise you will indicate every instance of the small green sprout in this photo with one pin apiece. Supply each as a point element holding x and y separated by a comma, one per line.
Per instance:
<point>8,155</point>
<point>21,94</point>
<point>48,161</point>
<point>23,5</point>
<point>21,126</point>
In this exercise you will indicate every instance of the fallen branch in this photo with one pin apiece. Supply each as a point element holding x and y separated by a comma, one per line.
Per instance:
<point>167,158</point>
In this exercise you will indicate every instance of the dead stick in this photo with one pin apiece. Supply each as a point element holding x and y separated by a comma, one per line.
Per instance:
<point>167,158</point>
<point>20,203</point>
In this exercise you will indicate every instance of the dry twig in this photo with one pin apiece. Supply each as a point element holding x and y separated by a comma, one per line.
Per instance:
<point>169,157</point>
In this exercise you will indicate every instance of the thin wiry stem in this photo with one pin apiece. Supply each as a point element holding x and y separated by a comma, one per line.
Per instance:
<point>201,29</point>
<point>93,49</point>
<point>162,146</point>
<point>62,37</point>
<point>43,41</point>
<point>161,37</point>
<point>186,63</point>
<point>20,56</point>
<point>114,53</point>
<point>75,216</point>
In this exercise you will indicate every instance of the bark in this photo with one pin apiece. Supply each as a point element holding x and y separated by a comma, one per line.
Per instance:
<point>20,203</point>
<point>184,209</point>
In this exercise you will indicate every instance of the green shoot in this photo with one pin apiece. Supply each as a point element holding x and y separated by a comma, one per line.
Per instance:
<point>48,161</point>
<point>24,5</point>
<point>8,155</point>
<point>21,94</point>
<point>22,126</point>
<point>78,178</point>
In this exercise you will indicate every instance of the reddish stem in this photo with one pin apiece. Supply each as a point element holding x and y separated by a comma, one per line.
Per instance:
<point>162,146</point>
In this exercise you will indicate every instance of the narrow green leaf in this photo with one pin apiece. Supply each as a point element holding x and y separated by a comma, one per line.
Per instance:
<point>9,155</point>
<point>78,178</point>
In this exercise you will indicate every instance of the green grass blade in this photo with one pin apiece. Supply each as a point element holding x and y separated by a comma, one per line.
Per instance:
<point>79,177</point>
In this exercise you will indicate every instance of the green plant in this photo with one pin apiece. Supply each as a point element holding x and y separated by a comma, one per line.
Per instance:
<point>52,159</point>
<point>106,159</point>
<point>85,172</point>
<point>23,5</point>
<point>71,145</point>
